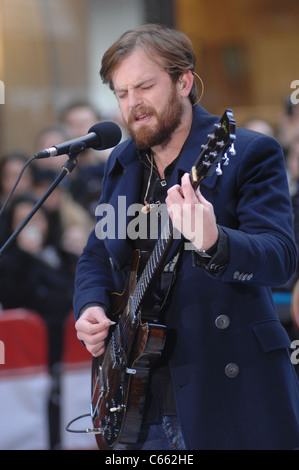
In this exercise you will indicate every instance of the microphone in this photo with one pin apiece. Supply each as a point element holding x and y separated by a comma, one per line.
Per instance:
<point>101,136</point>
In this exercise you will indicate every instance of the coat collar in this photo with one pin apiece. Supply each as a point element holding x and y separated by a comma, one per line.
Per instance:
<point>202,125</point>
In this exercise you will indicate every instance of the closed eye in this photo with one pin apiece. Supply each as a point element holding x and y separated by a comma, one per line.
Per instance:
<point>148,87</point>
<point>121,94</point>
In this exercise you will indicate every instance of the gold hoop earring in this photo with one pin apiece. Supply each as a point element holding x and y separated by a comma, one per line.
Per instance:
<point>202,88</point>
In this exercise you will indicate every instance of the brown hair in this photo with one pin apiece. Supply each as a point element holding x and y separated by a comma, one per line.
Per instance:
<point>169,48</point>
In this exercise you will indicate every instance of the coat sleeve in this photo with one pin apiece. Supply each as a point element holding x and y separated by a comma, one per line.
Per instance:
<point>93,280</point>
<point>262,250</point>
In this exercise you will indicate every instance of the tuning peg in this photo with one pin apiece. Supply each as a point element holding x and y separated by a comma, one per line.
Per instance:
<point>218,170</point>
<point>225,159</point>
<point>232,150</point>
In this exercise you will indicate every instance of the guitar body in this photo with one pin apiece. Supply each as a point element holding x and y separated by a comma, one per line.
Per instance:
<point>120,377</point>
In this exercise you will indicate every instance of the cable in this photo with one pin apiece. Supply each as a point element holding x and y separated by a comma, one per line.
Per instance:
<point>15,185</point>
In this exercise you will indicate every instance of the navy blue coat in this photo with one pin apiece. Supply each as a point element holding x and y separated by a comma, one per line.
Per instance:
<point>234,382</point>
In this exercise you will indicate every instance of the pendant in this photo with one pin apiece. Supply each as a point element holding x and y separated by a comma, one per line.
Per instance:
<point>146,209</point>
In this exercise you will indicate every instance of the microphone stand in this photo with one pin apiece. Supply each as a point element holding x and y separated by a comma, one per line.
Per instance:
<point>67,168</point>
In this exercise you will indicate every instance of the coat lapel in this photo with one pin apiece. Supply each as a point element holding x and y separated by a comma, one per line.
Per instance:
<point>202,125</point>
<point>126,192</point>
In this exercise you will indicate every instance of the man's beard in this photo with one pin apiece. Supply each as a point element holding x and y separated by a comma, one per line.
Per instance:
<point>166,122</point>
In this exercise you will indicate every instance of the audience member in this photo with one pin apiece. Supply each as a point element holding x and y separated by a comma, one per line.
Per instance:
<point>260,125</point>
<point>11,165</point>
<point>288,135</point>
<point>65,214</point>
<point>288,129</point>
<point>48,137</point>
<point>35,274</point>
<point>292,165</point>
<point>86,188</point>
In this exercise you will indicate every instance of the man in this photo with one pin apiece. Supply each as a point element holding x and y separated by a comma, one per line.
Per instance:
<point>225,379</point>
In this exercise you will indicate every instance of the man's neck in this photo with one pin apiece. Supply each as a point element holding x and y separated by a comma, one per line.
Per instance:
<point>165,154</point>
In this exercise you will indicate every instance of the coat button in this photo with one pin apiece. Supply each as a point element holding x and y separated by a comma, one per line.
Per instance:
<point>232,370</point>
<point>222,322</point>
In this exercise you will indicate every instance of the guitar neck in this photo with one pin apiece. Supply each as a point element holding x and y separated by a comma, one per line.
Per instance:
<point>154,265</point>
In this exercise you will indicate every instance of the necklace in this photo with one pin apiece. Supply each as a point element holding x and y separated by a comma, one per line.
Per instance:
<point>146,208</point>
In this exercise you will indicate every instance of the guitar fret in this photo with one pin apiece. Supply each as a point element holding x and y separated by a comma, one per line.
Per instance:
<point>159,247</point>
<point>157,257</point>
<point>133,309</point>
<point>154,264</point>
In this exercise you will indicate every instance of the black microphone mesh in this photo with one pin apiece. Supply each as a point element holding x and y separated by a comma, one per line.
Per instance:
<point>109,134</point>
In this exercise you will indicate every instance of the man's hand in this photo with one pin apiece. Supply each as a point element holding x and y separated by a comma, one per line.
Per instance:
<point>192,214</point>
<point>92,328</point>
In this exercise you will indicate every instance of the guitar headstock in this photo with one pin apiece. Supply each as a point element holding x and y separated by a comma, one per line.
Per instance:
<point>215,149</point>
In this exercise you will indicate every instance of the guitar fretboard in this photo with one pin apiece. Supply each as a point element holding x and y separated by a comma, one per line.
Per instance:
<point>155,261</point>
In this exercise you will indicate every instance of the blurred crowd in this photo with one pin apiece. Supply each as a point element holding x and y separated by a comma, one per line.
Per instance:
<point>287,134</point>
<point>37,269</point>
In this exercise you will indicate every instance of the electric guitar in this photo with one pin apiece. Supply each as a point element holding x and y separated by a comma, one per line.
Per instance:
<point>120,375</point>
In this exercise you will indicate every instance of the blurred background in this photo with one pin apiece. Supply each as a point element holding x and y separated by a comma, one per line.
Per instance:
<point>50,54</point>
<point>50,91</point>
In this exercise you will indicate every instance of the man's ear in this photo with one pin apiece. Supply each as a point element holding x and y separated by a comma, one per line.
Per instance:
<point>185,83</point>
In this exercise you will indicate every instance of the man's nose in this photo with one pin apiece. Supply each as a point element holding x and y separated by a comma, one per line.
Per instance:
<point>134,98</point>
